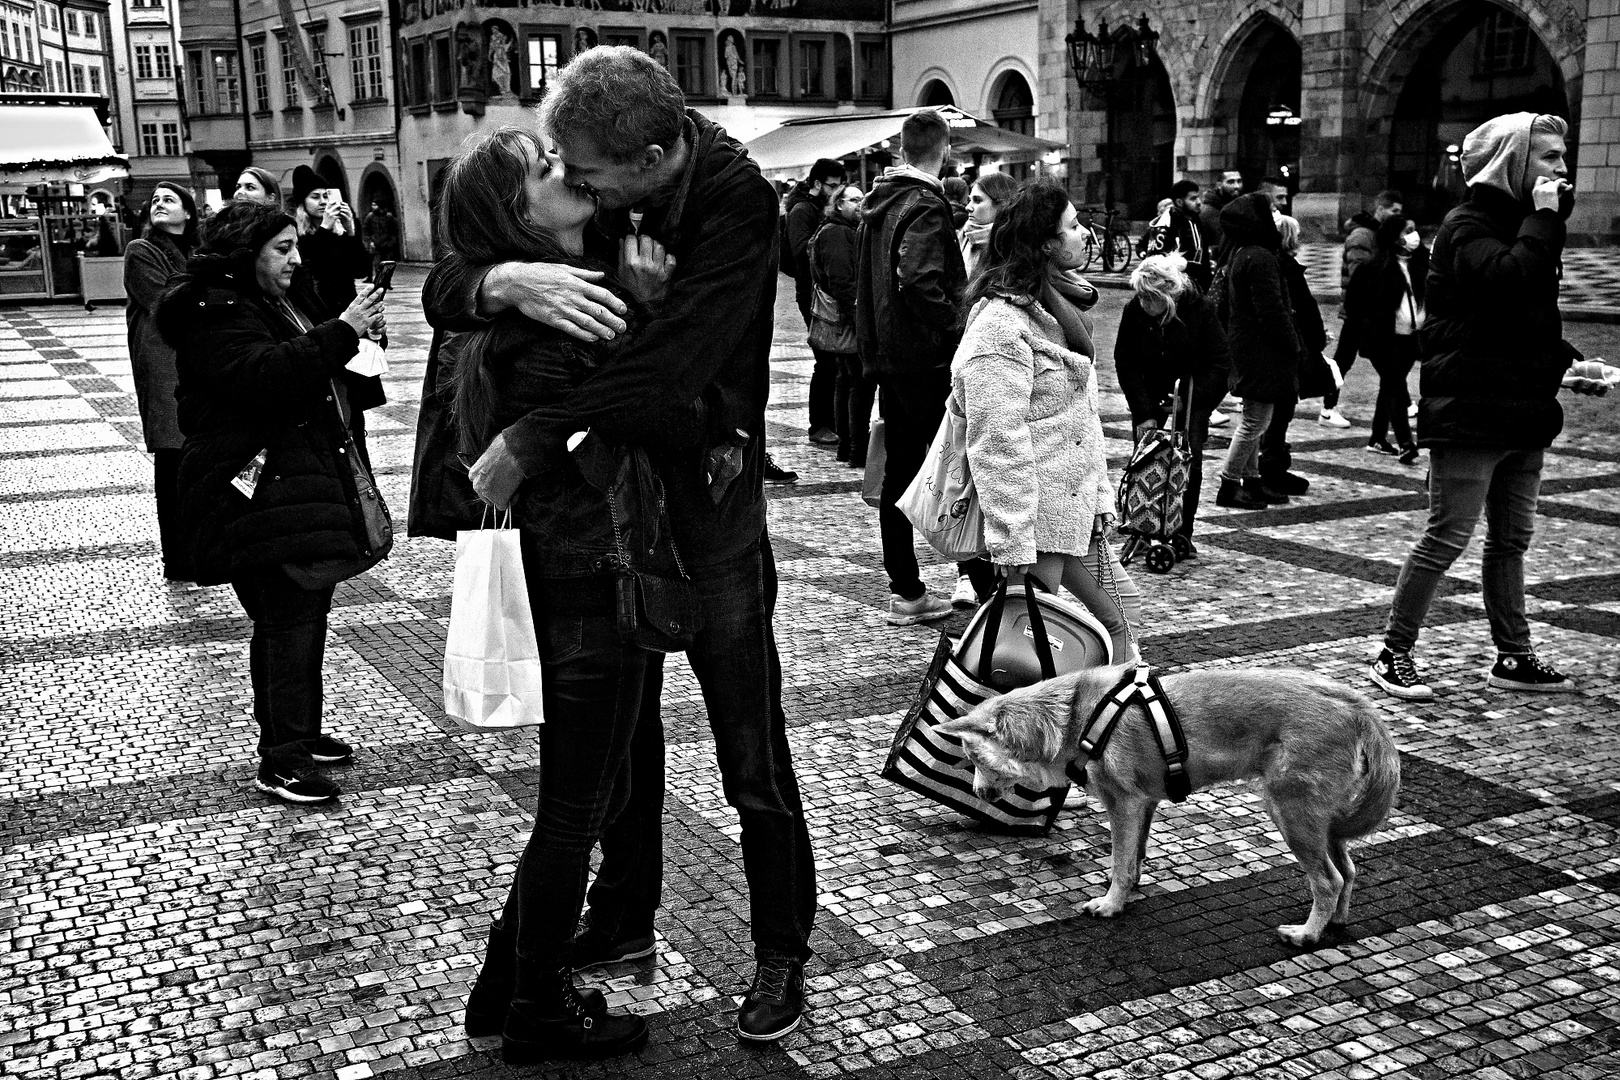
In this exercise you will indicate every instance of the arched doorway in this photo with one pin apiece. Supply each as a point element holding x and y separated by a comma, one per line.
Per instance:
<point>330,170</point>
<point>934,93</point>
<point>1013,108</point>
<point>1481,60</point>
<point>1144,140</point>
<point>1256,89</point>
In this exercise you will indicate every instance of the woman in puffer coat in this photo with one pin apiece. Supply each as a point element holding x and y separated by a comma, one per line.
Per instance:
<point>1024,378</point>
<point>1265,346</point>
<point>272,497</point>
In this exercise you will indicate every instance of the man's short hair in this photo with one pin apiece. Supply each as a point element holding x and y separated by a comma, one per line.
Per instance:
<point>1389,197</point>
<point>923,135</point>
<point>825,169</point>
<point>1181,189</point>
<point>1232,172</point>
<point>620,98</point>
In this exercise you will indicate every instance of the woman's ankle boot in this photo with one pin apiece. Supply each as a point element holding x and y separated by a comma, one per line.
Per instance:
<point>1233,496</point>
<point>551,1019</point>
<point>1259,489</point>
<point>491,995</point>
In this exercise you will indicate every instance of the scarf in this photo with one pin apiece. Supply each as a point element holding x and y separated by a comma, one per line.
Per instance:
<point>975,236</point>
<point>1066,299</point>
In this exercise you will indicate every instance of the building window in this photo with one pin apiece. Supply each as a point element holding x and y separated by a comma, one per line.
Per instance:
<point>767,67</point>
<point>95,80</point>
<point>227,83</point>
<point>544,56</point>
<point>872,75</point>
<point>1504,45</point>
<point>317,55</point>
<point>28,44</point>
<point>72,21</point>
<point>171,140</point>
<point>55,25</point>
<point>163,60</point>
<point>444,82</point>
<point>1015,105</point>
<point>812,69</point>
<point>143,61</point>
<point>365,61</point>
<point>261,76</point>
<point>78,78</point>
<point>199,82</point>
<point>843,70</point>
<point>692,64</point>
<point>289,73</point>
<point>90,30</point>
<point>149,140</point>
<point>417,79</point>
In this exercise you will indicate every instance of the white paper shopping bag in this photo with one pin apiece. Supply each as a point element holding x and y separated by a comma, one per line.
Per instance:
<point>491,659</point>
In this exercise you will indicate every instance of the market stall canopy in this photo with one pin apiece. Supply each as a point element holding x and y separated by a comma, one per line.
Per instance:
<point>55,144</point>
<point>790,150</point>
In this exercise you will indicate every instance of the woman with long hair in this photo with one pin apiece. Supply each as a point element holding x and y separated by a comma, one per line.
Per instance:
<point>1383,312</point>
<point>1024,377</point>
<point>593,526</point>
<point>988,194</point>
<point>151,265</point>
<point>254,184</point>
<point>273,495</point>
<point>832,253</point>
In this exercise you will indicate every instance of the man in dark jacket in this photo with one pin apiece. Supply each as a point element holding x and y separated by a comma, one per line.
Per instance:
<point>1215,199</point>
<point>1493,360</point>
<point>694,189</point>
<point>1180,232</point>
<point>805,211</point>
<point>908,319</point>
<point>1360,247</point>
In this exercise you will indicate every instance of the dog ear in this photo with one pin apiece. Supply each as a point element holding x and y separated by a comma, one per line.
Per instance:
<point>980,721</point>
<point>1028,731</point>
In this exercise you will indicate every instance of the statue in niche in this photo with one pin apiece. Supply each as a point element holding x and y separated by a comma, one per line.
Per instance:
<point>584,39</point>
<point>501,48</point>
<point>658,47</point>
<point>733,70</point>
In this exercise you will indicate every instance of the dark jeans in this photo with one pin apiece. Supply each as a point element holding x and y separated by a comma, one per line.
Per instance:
<point>822,380</point>
<point>1389,414</point>
<point>595,691</point>
<point>171,536</point>
<point>912,406</point>
<point>1196,424</point>
<point>1465,481</point>
<point>853,394</point>
<point>284,662</point>
<point>735,660</point>
<point>1276,455</point>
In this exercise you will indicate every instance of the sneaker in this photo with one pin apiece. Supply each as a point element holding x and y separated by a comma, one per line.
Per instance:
<point>925,608</point>
<point>823,436</point>
<point>295,785</point>
<point>1525,671</point>
<point>329,751</point>
<point>1332,418</point>
<point>1412,411</point>
<point>965,596</point>
<point>1396,673</point>
<point>775,474</point>
<point>1218,419</point>
<point>775,1001</point>
<point>1381,446</point>
<point>592,948</point>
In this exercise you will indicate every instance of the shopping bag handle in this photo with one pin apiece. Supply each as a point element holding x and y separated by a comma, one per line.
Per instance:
<point>503,518</point>
<point>1037,622</point>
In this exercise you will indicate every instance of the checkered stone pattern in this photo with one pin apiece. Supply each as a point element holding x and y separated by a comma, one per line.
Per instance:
<point>163,919</point>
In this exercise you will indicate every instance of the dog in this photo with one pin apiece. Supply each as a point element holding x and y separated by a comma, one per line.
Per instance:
<point>1329,770</point>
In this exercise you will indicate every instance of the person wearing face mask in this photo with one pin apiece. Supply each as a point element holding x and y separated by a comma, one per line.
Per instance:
<point>1383,312</point>
<point>1493,360</point>
<point>151,266</point>
<point>831,254</point>
<point>989,194</point>
<point>274,498</point>
<point>1024,377</point>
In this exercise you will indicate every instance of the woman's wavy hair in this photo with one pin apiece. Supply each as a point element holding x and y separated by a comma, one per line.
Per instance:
<point>1163,276</point>
<point>230,246</point>
<point>1015,261</point>
<point>483,217</point>
<point>188,236</point>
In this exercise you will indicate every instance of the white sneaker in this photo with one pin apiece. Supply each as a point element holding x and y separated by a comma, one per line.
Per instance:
<point>1411,411</point>
<point>926,608</point>
<point>1332,418</point>
<point>965,595</point>
<point>1218,419</point>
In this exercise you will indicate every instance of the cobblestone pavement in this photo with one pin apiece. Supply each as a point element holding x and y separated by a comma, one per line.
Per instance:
<point>161,918</point>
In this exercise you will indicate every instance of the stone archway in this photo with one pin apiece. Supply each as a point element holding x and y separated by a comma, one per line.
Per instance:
<point>1257,72</point>
<point>935,92</point>
<point>329,167</point>
<point>376,185</point>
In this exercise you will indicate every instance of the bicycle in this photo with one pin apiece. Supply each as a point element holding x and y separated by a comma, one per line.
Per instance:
<point>1112,244</point>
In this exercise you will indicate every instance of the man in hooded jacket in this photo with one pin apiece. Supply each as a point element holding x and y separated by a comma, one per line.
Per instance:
<point>1493,360</point>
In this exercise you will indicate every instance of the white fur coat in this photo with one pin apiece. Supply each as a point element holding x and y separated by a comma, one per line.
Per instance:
<point>1035,439</point>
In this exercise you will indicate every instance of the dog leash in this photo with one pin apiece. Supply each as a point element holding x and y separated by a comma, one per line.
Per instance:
<point>1137,687</point>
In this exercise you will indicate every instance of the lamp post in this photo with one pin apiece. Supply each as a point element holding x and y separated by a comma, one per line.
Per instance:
<point>1104,63</point>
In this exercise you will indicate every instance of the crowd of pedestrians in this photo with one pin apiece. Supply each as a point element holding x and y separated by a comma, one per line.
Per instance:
<point>603,325</point>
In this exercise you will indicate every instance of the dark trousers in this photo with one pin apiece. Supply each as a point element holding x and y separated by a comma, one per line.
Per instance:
<point>822,390</point>
<point>1195,422</point>
<point>735,660</point>
<point>171,537</point>
<point>1276,454</point>
<point>284,662</point>
<point>595,691</point>
<point>853,394</point>
<point>912,406</point>
<point>1389,415</point>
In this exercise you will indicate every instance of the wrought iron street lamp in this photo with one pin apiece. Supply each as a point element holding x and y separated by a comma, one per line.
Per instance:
<point>1107,62</point>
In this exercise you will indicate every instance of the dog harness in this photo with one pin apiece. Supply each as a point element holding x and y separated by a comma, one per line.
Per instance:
<point>1140,687</point>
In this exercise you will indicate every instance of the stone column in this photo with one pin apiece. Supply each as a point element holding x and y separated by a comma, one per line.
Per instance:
<point>1332,136</point>
<point>1056,118</point>
<point>1597,177</point>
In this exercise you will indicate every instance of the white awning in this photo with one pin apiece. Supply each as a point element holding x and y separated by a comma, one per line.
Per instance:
<point>792,148</point>
<point>56,144</point>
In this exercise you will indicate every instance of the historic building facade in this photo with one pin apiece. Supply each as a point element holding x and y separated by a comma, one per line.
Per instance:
<point>1336,98</point>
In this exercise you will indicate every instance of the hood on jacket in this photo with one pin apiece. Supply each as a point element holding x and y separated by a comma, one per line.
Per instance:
<point>1497,154</point>
<point>1361,220</point>
<point>895,183</point>
<point>1247,220</point>
<point>799,193</point>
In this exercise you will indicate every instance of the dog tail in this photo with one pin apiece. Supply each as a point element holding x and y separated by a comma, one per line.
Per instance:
<point>1378,778</point>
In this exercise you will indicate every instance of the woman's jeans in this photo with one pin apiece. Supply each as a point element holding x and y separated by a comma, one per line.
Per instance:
<point>1389,414</point>
<point>284,662</point>
<point>1463,482</point>
<point>822,378</point>
<point>594,685</point>
<point>852,408</point>
<point>1104,587</point>
<point>1243,456</point>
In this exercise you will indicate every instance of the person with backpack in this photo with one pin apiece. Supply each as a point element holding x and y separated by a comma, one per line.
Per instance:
<point>1383,312</point>
<point>806,209</point>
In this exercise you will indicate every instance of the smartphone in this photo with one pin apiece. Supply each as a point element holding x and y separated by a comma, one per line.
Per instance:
<point>385,275</point>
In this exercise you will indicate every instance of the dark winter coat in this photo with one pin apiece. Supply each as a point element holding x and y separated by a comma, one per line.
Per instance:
<point>910,278</point>
<point>1376,289</point>
<point>1211,201</point>
<point>1150,357</point>
<point>804,216</point>
<point>834,265</point>
<point>1314,378</point>
<point>1360,247</point>
<point>1493,347</point>
<point>709,338</point>
<point>1260,325</point>
<point>251,380</point>
<point>151,265</point>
